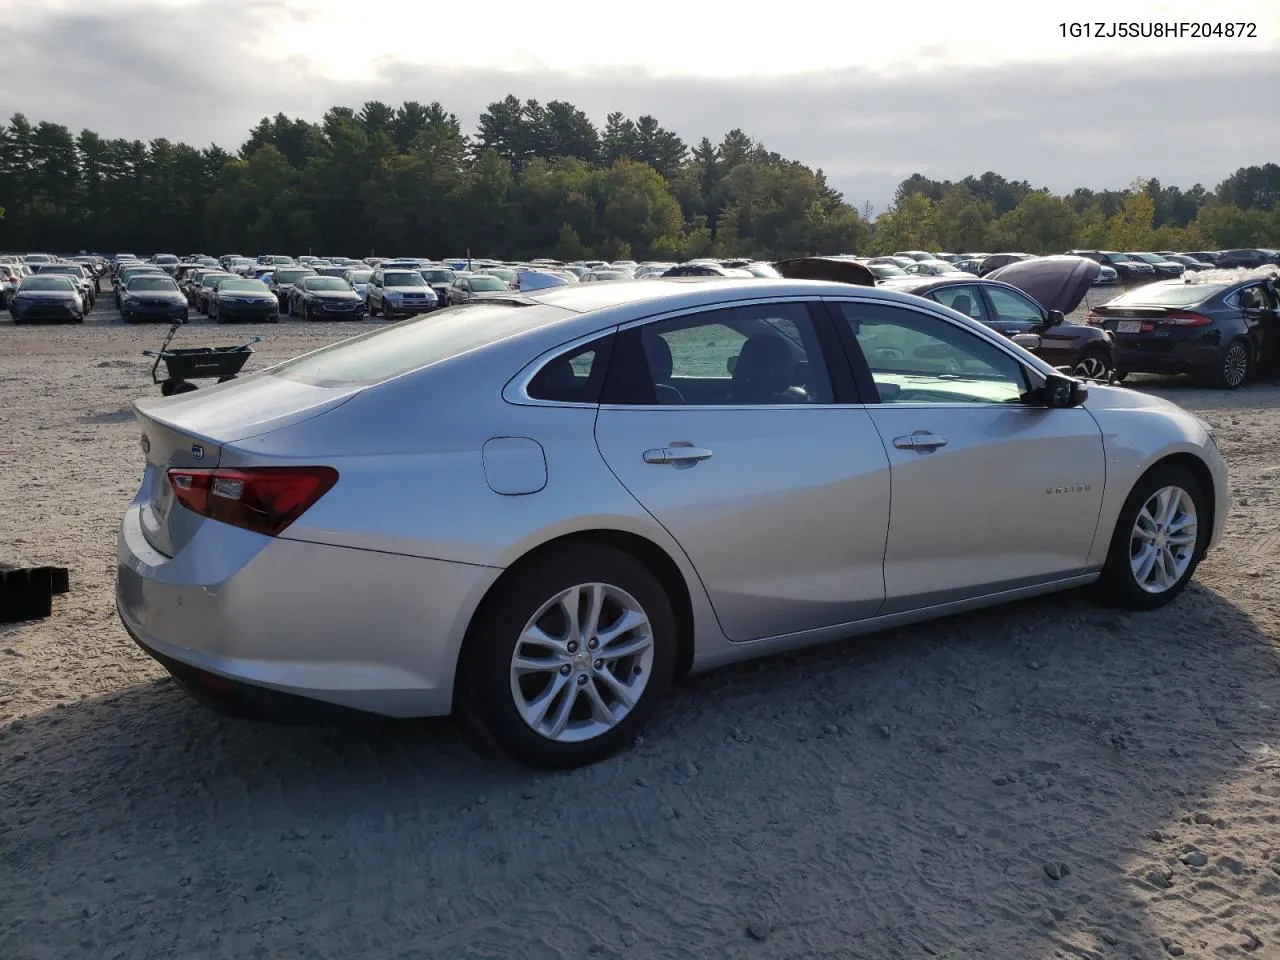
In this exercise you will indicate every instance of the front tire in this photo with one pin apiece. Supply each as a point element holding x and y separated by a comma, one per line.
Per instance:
<point>1159,539</point>
<point>1093,365</point>
<point>568,659</point>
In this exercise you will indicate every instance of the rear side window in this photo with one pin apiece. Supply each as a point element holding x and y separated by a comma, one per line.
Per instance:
<point>574,377</point>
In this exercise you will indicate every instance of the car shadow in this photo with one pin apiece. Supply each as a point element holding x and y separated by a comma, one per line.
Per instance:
<point>1013,783</point>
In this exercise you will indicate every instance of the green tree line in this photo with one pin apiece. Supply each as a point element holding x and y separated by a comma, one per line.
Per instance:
<point>542,179</point>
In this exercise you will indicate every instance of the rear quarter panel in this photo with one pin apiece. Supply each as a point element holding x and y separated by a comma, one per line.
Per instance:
<point>412,479</point>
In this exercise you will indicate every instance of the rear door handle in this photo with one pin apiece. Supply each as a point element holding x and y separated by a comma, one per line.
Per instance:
<point>676,453</point>
<point>920,441</point>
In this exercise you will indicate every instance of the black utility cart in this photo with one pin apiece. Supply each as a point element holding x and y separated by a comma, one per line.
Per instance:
<point>185,364</point>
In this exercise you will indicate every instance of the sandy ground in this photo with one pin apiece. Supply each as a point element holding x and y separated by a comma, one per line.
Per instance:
<point>1050,779</point>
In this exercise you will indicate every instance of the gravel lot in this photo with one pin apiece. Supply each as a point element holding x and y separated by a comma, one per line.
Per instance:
<point>1049,779</point>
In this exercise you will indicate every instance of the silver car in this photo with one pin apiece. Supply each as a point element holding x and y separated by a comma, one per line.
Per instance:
<point>536,512</point>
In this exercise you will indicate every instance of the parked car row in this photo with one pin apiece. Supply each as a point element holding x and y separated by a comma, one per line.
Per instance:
<point>1187,317</point>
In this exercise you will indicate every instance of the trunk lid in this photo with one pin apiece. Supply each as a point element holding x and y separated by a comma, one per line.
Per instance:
<point>189,431</point>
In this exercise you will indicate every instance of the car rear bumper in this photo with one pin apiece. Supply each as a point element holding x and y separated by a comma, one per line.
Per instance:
<point>1148,353</point>
<point>347,310</point>
<point>367,631</point>
<point>242,311</point>
<point>408,308</point>
<point>165,312</point>
<point>42,312</point>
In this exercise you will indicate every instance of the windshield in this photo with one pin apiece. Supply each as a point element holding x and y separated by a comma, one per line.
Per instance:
<point>762,270</point>
<point>403,279</point>
<point>412,344</point>
<point>166,258</point>
<point>1176,294</point>
<point>59,283</point>
<point>325,283</point>
<point>242,286</point>
<point>502,272</point>
<point>211,279</point>
<point>152,283</point>
<point>486,284</point>
<point>293,276</point>
<point>361,276</point>
<point>1118,258</point>
<point>1144,257</point>
<point>885,270</point>
<point>438,276</point>
<point>62,268</point>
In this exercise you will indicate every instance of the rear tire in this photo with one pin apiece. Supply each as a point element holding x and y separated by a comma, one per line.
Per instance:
<point>1150,562</point>
<point>593,721</point>
<point>1234,366</point>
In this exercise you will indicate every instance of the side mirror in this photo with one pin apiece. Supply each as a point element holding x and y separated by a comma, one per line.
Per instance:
<point>1056,317</point>
<point>1062,392</point>
<point>1027,341</point>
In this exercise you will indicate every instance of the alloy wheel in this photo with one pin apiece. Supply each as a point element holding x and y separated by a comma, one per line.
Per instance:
<point>1091,368</point>
<point>1163,540</point>
<point>1235,364</point>
<point>582,662</point>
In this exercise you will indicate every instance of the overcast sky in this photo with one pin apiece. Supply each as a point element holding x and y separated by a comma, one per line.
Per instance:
<point>870,94</point>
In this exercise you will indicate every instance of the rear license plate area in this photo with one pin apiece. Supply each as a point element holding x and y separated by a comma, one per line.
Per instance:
<point>1129,326</point>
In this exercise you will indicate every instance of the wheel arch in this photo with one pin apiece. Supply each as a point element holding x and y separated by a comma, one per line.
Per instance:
<point>654,557</point>
<point>1200,471</point>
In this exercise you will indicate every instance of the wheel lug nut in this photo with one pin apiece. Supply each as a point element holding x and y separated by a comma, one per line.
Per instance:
<point>573,646</point>
<point>565,670</point>
<point>582,679</point>
<point>598,665</point>
<point>592,643</point>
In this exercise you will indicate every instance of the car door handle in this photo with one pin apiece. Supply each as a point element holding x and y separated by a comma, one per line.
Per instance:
<point>676,453</point>
<point>920,441</point>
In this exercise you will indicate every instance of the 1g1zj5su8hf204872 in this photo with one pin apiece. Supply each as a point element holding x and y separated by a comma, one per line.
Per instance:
<point>537,511</point>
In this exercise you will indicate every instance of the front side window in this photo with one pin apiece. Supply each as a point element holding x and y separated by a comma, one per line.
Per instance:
<point>759,354</point>
<point>918,358</point>
<point>1013,307</point>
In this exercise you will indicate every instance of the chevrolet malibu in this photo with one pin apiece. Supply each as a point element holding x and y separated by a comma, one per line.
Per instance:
<point>536,512</point>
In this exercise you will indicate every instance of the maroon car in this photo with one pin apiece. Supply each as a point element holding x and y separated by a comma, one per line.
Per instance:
<point>1028,299</point>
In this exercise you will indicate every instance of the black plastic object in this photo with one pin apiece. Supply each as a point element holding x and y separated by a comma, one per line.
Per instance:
<point>26,593</point>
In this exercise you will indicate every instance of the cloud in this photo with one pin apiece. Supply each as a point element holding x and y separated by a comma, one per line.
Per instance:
<point>204,73</point>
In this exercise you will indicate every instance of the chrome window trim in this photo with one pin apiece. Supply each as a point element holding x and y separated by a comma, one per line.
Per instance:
<point>516,389</point>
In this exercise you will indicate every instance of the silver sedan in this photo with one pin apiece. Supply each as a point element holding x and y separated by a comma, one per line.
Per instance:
<point>536,512</point>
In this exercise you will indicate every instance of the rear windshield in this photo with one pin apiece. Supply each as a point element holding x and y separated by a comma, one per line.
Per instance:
<point>147,282</point>
<point>46,283</point>
<point>438,276</point>
<point>1173,295</point>
<point>242,286</point>
<point>325,283</point>
<point>403,280</point>
<point>412,344</point>
<point>62,268</point>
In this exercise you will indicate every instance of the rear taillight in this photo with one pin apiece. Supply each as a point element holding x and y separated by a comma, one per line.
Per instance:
<point>1185,318</point>
<point>262,499</point>
<point>1093,318</point>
